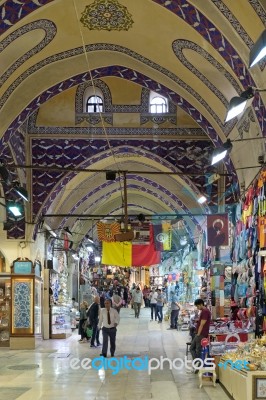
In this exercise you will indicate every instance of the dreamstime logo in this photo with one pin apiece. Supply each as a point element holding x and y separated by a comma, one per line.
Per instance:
<point>140,364</point>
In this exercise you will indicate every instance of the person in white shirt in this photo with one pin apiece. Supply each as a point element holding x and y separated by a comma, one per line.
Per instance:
<point>153,301</point>
<point>108,321</point>
<point>137,298</point>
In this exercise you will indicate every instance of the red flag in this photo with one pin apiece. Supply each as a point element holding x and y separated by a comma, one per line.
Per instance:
<point>217,230</point>
<point>145,254</point>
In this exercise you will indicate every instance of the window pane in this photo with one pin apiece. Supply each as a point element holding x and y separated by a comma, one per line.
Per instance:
<point>158,105</point>
<point>94,104</point>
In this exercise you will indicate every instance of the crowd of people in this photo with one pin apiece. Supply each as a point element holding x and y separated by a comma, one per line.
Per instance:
<point>104,315</point>
<point>93,317</point>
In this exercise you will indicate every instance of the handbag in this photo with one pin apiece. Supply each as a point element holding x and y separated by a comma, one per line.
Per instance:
<point>89,331</point>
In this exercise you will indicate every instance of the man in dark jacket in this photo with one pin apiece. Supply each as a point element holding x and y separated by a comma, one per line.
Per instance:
<point>94,313</point>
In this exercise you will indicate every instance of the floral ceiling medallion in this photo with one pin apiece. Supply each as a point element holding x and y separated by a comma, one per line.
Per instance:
<point>106,15</point>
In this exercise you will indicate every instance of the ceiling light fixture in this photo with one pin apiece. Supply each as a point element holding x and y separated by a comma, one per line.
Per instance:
<point>220,153</point>
<point>239,103</point>
<point>89,239</point>
<point>258,51</point>
<point>53,233</point>
<point>202,199</point>
<point>67,230</point>
<point>21,191</point>
<point>15,209</point>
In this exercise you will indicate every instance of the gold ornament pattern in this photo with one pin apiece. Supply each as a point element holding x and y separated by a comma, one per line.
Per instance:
<point>106,15</point>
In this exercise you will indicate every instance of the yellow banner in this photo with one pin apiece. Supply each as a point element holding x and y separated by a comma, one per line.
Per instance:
<point>117,253</point>
<point>167,231</point>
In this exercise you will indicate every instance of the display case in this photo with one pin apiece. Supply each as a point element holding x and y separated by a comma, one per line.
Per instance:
<point>60,322</point>
<point>38,307</point>
<point>5,298</point>
<point>242,385</point>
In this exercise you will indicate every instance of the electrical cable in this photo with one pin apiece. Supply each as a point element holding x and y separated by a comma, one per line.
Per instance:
<point>94,90</point>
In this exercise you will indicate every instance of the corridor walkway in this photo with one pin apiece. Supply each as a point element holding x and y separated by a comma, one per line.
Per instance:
<point>46,374</point>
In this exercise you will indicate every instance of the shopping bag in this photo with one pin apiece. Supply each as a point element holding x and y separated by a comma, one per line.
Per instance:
<point>89,331</point>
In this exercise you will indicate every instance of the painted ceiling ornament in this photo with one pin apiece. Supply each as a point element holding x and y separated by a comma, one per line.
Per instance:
<point>106,15</point>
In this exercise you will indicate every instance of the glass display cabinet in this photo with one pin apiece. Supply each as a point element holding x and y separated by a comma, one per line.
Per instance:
<point>60,322</point>
<point>38,307</point>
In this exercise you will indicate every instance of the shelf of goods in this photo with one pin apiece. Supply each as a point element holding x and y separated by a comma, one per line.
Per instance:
<point>60,322</point>
<point>4,312</point>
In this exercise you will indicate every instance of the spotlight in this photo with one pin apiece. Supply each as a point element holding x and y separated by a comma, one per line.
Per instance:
<point>15,209</point>
<point>67,230</point>
<point>238,104</point>
<point>202,199</point>
<point>141,218</point>
<point>53,233</point>
<point>258,51</point>
<point>219,153</point>
<point>89,239</point>
<point>21,191</point>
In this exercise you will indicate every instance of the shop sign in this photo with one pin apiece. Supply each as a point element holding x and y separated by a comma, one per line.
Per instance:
<point>23,267</point>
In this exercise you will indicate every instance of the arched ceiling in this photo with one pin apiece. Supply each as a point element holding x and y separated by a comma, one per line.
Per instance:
<point>195,53</point>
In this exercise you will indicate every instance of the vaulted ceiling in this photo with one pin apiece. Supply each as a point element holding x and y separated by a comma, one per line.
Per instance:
<point>193,53</point>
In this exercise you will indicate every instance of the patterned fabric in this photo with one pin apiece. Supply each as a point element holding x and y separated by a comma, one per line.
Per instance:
<point>107,232</point>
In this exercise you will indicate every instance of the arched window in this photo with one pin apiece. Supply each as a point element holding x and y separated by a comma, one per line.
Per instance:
<point>94,104</point>
<point>158,105</point>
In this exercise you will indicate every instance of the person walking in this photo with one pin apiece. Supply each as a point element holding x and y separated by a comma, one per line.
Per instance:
<point>175,308</point>
<point>132,291</point>
<point>202,329</point>
<point>159,305</point>
<point>125,296</point>
<point>146,293</point>
<point>117,302</point>
<point>153,301</point>
<point>108,321</point>
<point>93,316</point>
<point>82,320</point>
<point>137,298</point>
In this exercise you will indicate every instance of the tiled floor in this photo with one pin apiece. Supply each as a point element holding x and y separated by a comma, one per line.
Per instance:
<point>48,374</point>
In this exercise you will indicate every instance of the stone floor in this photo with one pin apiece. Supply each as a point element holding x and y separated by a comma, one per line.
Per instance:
<point>50,373</point>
